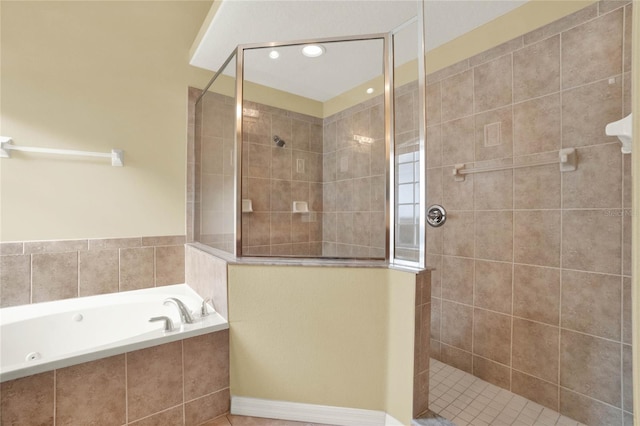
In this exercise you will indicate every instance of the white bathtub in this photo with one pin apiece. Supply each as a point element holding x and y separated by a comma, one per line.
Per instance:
<point>45,336</point>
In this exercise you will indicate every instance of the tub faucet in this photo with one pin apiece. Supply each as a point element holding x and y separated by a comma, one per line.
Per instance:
<point>168,324</point>
<point>185,315</point>
<point>203,309</point>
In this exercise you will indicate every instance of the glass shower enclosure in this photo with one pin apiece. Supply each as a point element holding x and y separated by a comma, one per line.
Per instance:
<point>315,157</point>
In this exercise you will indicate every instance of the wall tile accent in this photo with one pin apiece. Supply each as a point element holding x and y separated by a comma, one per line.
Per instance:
<point>531,290</point>
<point>42,271</point>
<point>98,393</point>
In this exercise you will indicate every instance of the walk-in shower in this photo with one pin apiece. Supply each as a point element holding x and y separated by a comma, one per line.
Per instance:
<point>317,156</point>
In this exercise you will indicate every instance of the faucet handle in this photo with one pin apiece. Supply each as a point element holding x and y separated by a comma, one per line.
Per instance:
<point>203,310</point>
<point>168,324</point>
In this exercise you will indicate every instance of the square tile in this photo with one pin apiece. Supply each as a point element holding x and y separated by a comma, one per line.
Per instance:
<point>580,353</point>
<point>598,250</point>
<point>591,303</point>
<point>535,349</point>
<point>492,336</point>
<point>456,325</point>
<point>536,69</point>
<point>493,284</point>
<point>593,50</point>
<point>536,294</point>
<point>492,84</point>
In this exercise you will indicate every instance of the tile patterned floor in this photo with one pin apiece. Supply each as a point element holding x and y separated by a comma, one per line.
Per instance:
<point>469,401</point>
<point>456,396</point>
<point>231,420</point>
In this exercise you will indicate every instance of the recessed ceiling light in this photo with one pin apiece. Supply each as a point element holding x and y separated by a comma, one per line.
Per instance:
<point>370,90</point>
<point>313,50</point>
<point>274,54</point>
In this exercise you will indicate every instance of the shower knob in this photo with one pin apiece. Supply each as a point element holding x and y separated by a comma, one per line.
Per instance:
<point>436,215</point>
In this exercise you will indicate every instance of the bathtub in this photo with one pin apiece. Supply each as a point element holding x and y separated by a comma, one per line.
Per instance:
<point>46,336</point>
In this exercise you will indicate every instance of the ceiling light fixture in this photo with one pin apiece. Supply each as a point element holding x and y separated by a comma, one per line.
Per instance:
<point>370,90</point>
<point>274,54</point>
<point>313,50</point>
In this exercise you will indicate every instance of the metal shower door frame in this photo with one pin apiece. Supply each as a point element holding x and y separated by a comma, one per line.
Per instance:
<point>389,131</point>
<point>388,67</point>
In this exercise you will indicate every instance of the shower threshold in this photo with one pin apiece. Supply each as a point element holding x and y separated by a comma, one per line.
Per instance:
<point>462,399</point>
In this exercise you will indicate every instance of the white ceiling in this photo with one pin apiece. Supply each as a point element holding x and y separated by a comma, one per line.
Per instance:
<point>345,65</point>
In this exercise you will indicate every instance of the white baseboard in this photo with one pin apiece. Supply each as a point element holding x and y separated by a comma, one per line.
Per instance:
<point>310,413</point>
<point>392,421</point>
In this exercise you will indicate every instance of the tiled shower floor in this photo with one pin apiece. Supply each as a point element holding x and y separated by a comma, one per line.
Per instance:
<point>467,400</point>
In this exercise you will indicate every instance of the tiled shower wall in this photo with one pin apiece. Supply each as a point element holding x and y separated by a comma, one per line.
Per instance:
<point>532,283</point>
<point>342,180</point>
<point>42,271</point>
<point>275,177</point>
<point>354,182</point>
<point>213,163</point>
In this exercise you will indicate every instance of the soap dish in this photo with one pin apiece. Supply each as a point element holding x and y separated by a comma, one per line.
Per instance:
<point>300,207</point>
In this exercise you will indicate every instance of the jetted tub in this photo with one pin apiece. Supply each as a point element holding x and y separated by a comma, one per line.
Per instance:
<point>45,336</point>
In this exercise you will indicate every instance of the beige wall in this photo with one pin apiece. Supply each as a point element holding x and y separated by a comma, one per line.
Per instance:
<point>95,76</point>
<point>350,313</point>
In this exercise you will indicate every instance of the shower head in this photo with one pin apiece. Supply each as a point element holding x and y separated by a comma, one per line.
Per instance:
<point>278,141</point>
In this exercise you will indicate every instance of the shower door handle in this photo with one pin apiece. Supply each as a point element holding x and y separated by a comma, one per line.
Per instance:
<point>436,215</point>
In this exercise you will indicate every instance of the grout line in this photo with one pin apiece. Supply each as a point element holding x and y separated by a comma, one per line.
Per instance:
<point>30,278</point>
<point>126,388</point>
<point>561,71</point>
<point>184,420</point>
<point>513,221</point>
<point>78,274</point>
<point>55,399</point>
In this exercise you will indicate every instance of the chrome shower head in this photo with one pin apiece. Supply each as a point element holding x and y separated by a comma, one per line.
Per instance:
<point>279,142</point>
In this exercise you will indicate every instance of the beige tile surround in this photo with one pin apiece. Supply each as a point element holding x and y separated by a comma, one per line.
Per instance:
<point>342,180</point>
<point>42,271</point>
<point>531,290</point>
<point>135,388</point>
<point>274,177</point>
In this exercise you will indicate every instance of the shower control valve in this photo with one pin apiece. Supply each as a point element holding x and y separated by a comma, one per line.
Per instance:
<point>436,215</point>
